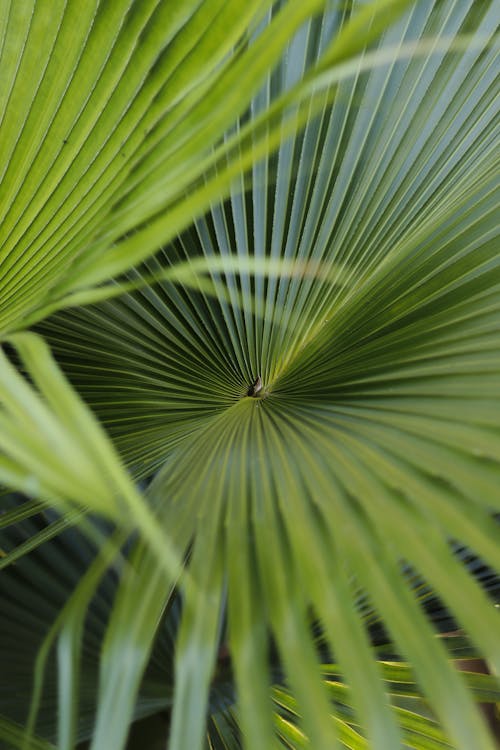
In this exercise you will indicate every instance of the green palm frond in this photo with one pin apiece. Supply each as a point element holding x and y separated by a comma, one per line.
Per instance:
<point>43,573</point>
<point>13,734</point>
<point>52,447</point>
<point>313,408</point>
<point>112,123</point>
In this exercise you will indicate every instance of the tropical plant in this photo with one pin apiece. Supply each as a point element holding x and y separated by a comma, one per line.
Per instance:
<point>250,446</point>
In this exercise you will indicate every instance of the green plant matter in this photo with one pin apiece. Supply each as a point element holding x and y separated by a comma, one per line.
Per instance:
<point>249,382</point>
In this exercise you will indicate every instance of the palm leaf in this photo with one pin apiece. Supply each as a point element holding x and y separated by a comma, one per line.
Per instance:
<point>373,443</point>
<point>41,572</point>
<point>53,448</point>
<point>111,119</point>
<point>13,734</point>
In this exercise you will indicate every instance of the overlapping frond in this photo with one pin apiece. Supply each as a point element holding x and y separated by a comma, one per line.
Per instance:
<point>346,483</point>
<point>111,128</point>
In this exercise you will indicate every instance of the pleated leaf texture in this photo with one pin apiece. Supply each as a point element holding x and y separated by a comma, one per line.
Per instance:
<point>303,384</point>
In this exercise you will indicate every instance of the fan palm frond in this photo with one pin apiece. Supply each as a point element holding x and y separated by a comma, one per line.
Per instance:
<point>320,443</point>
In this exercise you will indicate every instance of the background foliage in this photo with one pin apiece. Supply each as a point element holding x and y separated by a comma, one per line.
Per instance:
<point>194,196</point>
